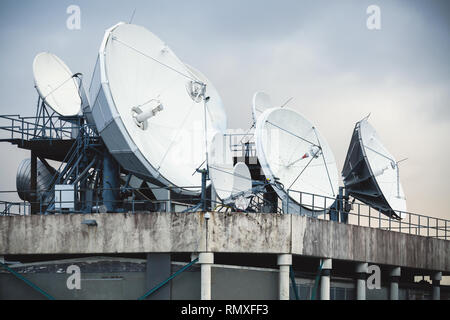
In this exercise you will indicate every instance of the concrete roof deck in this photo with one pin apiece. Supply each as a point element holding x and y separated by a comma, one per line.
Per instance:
<point>224,233</point>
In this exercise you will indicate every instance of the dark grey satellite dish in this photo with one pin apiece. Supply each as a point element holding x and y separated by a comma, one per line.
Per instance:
<point>370,173</point>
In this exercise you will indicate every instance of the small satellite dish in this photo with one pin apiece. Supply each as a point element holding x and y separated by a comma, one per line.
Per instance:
<point>371,173</point>
<point>220,166</point>
<point>56,84</point>
<point>242,180</point>
<point>294,156</point>
<point>261,102</point>
<point>149,109</point>
<point>228,181</point>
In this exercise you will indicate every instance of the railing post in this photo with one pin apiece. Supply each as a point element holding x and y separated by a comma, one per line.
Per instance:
<point>418,225</point>
<point>445,230</point>
<point>409,218</point>
<point>369,217</point>
<point>287,202</point>
<point>301,198</point>
<point>428,226</point>
<point>379,219</point>
<point>437,228</point>
<point>359,214</point>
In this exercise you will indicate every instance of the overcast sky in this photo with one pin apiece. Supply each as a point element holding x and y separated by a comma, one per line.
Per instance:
<point>319,52</point>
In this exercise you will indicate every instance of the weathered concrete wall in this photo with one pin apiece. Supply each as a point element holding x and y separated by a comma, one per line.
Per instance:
<point>234,232</point>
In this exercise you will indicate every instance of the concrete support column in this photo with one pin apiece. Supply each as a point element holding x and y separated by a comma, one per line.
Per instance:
<point>325,279</point>
<point>361,277</point>
<point>395,277</point>
<point>205,259</point>
<point>285,262</point>
<point>437,277</point>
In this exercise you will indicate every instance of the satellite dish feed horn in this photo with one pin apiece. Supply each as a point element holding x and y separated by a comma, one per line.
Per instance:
<point>142,113</point>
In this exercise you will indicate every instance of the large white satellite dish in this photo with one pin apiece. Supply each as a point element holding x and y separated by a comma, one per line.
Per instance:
<point>292,150</point>
<point>149,108</point>
<point>261,102</point>
<point>56,84</point>
<point>371,173</point>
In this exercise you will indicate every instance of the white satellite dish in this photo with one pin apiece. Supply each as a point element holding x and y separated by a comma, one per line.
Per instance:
<point>261,102</point>
<point>220,166</point>
<point>291,150</point>
<point>242,184</point>
<point>231,183</point>
<point>149,108</point>
<point>56,84</point>
<point>371,173</point>
<point>242,180</point>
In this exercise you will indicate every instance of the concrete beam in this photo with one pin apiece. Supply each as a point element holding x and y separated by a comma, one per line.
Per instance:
<point>227,233</point>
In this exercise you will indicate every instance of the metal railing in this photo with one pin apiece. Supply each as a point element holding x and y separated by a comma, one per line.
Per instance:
<point>237,145</point>
<point>16,127</point>
<point>15,208</point>
<point>356,214</point>
<point>361,214</point>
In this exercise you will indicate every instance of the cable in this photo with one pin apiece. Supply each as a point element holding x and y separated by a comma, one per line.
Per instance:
<point>156,60</point>
<point>312,158</point>
<point>291,133</point>
<point>175,137</point>
<point>230,173</point>
<point>380,154</point>
<point>324,162</point>
<point>59,86</point>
